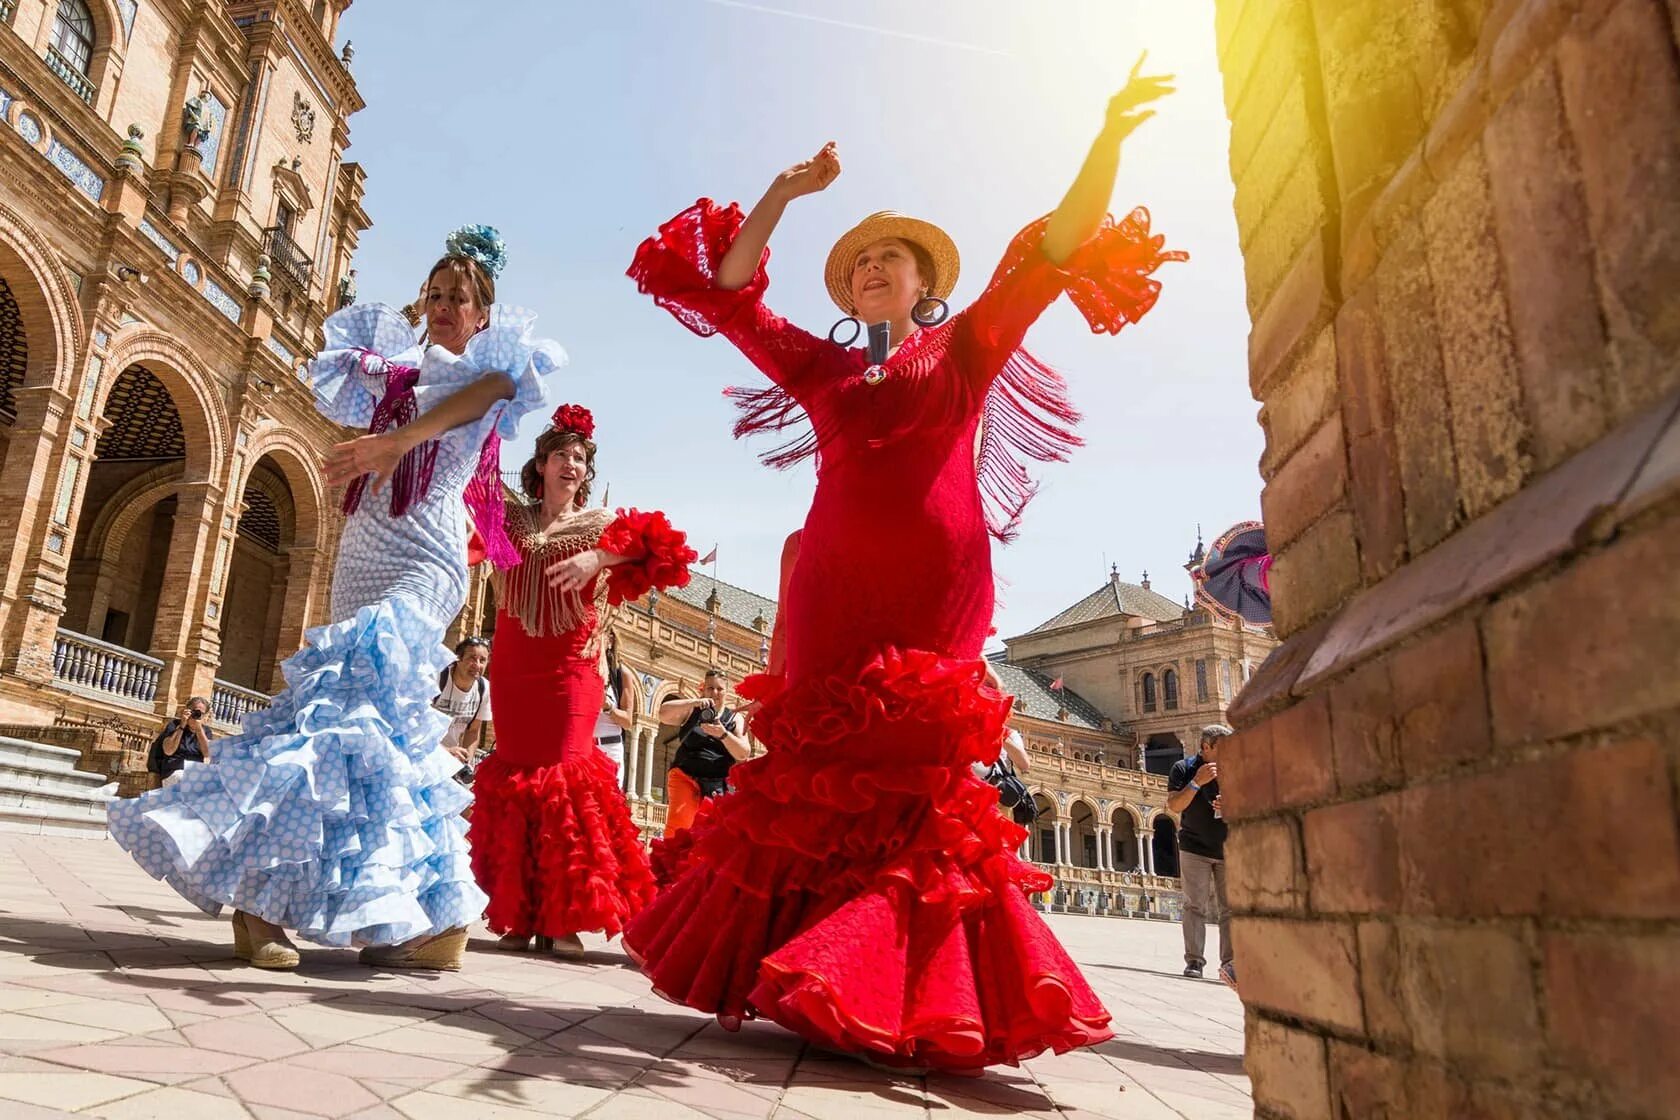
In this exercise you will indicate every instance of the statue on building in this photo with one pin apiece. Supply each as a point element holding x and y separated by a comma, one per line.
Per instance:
<point>195,120</point>
<point>345,55</point>
<point>347,289</point>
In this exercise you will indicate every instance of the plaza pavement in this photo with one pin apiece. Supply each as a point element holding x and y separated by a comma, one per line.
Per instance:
<point>119,1000</point>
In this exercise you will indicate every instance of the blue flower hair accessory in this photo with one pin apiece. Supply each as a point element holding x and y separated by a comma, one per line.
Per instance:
<point>481,244</point>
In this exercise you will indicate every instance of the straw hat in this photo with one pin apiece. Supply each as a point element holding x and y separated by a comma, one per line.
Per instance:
<point>889,223</point>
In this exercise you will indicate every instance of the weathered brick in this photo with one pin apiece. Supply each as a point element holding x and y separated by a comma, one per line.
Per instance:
<point>1469,846</point>
<point>1441,699</point>
<point>1360,367</point>
<point>1367,1084</point>
<point>1363,716</point>
<point>1371,92</point>
<point>1293,222</point>
<point>1497,1030</point>
<point>1589,647</point>
<point>1306,969</point>
<point>1353,856</point>
<point>1302,760</point>
<point>1548,273</point>
<point>1622,95</point>
<point>1380,983</point>
<point>1297,405</point>
<point>1620,857</point>
<point>1378,509</point>
<point>1288,1071</point>
<point>1313,480</point>
<point>1610,1007</point>
<point>1488,427</point>
<point>1316,573</point>
<point>1284,323</point>
<point>1263,866</point>
<point>1412,352</point>
<point>1246,784</point>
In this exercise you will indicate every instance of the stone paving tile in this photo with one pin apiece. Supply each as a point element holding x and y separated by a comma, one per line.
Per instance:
<point>118,1001</point>
<point>173,1103</point>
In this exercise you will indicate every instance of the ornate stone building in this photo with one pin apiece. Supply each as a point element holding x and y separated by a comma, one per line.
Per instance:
<point>176,221</point>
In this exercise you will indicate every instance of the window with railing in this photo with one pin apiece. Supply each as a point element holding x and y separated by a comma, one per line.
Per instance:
<point>70,51</point>
<point>287,261</point>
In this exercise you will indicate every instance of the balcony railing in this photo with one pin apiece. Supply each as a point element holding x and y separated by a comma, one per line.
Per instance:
<point>99,667</point>
<point>290,262</point>
<point>230,704</point>
<point>6,9</point>
<point>72,76</point>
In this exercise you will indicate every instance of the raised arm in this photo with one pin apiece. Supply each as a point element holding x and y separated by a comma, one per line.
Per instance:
<point>1086,202</point>
<point>739,264</point>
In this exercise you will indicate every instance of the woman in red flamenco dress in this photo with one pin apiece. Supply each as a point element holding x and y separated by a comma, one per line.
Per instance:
<point>859,886</point>
<point>552,841</point>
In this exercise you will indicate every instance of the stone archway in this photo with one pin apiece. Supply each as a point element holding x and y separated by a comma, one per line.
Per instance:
<point>1164,840</point>
<point>1160,751</point>
<point>258,581</point>
<point>1042,844</point>
<point>1082,835</point>
<point>1124,827</point>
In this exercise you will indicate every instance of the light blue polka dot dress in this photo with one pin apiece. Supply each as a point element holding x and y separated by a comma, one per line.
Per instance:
<point>334,813</point>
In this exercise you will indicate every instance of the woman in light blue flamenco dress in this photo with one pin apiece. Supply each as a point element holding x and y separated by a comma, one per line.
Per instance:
<point>334,813</point>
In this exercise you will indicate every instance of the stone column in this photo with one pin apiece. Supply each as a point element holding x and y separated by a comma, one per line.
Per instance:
<point>304,584</point>
<point>1146,852</point>
<point>650,739</point>
<point>632,760</point>
<point>32,569</point>
<point>188,644</point>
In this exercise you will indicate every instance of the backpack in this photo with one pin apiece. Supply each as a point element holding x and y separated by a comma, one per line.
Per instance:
<point>478,692</point>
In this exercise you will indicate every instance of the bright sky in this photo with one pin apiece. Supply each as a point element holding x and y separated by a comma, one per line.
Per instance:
<point>576,128</point>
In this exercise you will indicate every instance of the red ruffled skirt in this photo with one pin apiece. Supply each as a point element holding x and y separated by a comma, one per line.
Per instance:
<point>860,886</point>
<point>553,844</point>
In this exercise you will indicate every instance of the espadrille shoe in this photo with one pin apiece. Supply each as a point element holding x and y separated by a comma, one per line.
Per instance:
<point>263,951</point>
<point>440,952</point>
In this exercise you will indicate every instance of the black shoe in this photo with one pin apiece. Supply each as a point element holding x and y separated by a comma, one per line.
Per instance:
<point>1194,971</point>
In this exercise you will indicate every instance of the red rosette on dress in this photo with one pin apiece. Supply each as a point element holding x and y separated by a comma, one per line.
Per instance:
<point>658,552</point>
<point>555,848</point>
<point>893,920</point>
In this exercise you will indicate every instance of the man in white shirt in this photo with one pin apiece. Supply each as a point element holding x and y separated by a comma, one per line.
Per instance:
<point>464,696</point>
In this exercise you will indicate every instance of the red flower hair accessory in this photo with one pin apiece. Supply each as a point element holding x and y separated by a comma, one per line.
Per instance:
<point>575,418</point>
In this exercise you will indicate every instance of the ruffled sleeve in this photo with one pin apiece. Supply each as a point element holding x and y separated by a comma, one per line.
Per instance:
<point>658,554</point>
<point>678,266</point>
<point>349,373</point>
<point>508,344</point>
<point>1109,279</point>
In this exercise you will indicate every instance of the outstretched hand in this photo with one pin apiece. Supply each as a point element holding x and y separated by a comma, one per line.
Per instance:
<point>377,456</point>
<point>812,175</point>
<point>1126,109</point>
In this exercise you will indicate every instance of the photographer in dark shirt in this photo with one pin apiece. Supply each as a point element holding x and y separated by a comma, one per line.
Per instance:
<point>184,739</point>
<point>709,743</point>
<point>1193,793</point>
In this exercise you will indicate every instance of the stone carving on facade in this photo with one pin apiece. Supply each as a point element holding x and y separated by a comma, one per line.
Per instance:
<point>347,289</point>
<point>303,117</point>
<point>195,120</point>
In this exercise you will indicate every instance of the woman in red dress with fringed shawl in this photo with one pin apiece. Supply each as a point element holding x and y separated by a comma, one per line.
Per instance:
<point>859,885</point>
<point>552,841</point>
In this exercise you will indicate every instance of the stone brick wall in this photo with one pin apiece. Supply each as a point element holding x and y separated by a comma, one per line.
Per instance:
<point>1454,857</point>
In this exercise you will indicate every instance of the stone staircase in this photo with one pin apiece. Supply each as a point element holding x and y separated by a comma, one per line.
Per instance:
<point>42,791</point>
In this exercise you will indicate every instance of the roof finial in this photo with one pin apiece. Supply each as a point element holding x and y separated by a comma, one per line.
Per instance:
<point>1145,583</point>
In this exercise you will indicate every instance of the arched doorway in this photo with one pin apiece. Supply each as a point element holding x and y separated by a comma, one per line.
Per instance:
<point>122,541</point>
<point>1043,838</point>
<point>1161,751</point>
<point>257,580</point>
<point>1123,844</point>
<point>1082,832</point>
<point>1166,846</point>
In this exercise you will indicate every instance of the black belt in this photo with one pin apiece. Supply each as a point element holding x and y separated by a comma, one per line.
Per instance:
<point>609,740</point>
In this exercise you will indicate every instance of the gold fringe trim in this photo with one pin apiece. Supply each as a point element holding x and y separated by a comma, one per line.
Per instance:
<point>542,610</point>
